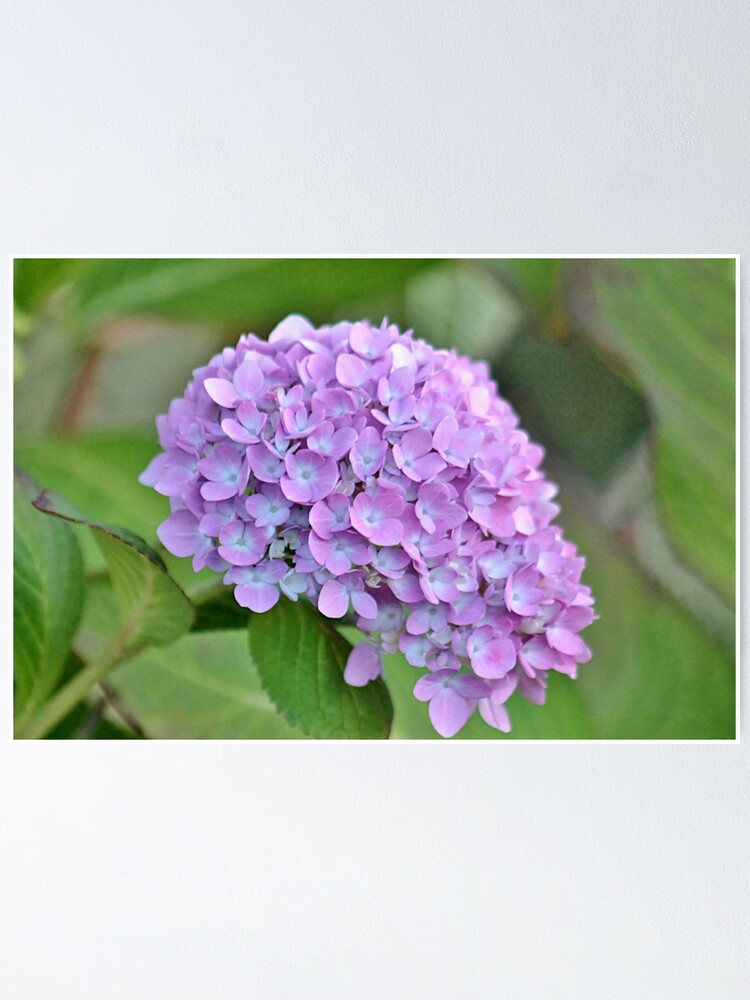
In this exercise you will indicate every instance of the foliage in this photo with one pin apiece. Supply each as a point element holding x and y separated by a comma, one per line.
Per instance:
<point>45,614</point>
<point>300,658</point>
<point>623,369</point>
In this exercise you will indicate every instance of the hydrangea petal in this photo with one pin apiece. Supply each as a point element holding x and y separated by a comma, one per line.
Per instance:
<point>333,600</point>
<point>449,712</point>
<point>180,533</point>
<point>363,665</point>
<point>221,392</point>
<point>258,597</point>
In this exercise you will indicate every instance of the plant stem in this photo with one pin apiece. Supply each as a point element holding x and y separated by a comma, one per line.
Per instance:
<point>74,691</point>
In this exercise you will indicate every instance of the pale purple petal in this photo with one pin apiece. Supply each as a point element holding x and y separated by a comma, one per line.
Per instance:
<point>533,689</point>
<point>180,533</point>
<point>333,600</point>
<point>248,380</point>
<point>377,517</point>
<point>264,465</point>
<point>449,711</point>
<point>469,687</point>
<point>334,444</point>
<point>177,473</point>
<point>467,609</point>
<point>491,655</point>
<point>363,665</point>
<point>309,477</point>
<point>330,516</point>
<point>415,648</point>
<point>241,544</point>
<point>496,517</point>
<point>269,507</point>
<point>495,714</point>
<point>414,444</point>
<point>539,655</point>
<point>368,341</point>
<point>568,642</point>
<point>236,432</point>
<point>258,597</point>
<point>368,453</point>
<point>155,469</point>
<point>292,328</point>
<point>221,392</point>
<point>351,371</point>
<point>364,604</point>
<point>406,588</point>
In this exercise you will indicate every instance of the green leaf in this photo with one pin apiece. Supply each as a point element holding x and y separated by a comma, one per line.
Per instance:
<point>153,610</point>
<point>203,687</point>
<point>48,589</point>
<point>672,323</point>
<point>300,658</point>
<point>239,292</point>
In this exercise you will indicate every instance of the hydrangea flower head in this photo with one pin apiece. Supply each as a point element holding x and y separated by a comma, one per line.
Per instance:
<point>386,482</point>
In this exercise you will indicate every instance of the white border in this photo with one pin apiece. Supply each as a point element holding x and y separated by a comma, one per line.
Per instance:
<point>404,256</point>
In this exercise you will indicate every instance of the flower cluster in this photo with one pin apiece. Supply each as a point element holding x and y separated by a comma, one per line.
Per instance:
<point>381,479</point>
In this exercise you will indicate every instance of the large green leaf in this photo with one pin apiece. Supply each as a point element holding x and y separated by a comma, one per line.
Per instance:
<point>47,599</point>
<point>153,610</point>
<point>672,322</point>
<point>204,686</point>
<point>300,658</point>
<point>239,292</point>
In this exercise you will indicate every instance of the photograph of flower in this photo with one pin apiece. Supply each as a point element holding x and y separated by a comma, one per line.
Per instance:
<point>375,498</point>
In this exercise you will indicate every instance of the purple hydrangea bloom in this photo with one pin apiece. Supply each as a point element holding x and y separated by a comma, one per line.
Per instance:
<point>359,468</point>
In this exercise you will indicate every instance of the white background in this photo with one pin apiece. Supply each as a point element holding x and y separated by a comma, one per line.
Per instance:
<point>143,870</point>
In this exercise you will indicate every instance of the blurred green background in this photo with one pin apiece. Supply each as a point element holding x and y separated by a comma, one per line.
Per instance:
<point>623,369</point>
